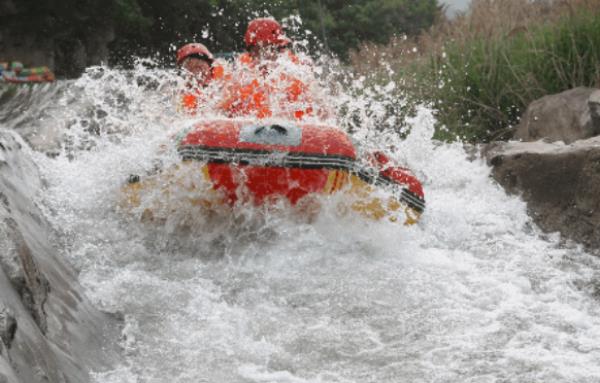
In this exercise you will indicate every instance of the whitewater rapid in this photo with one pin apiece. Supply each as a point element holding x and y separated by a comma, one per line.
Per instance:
<point>473,293</point>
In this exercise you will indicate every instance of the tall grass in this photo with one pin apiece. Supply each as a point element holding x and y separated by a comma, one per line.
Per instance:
<point>482,70</point>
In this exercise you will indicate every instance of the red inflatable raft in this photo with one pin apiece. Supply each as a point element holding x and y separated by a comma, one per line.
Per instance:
<point>262,161</point>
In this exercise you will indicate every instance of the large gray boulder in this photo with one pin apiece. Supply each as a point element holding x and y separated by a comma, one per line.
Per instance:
<point>49,332</point>
<point>560,183</point>
<point>568,116</point>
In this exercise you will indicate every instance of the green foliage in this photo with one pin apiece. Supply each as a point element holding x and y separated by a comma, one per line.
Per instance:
<point>343,25</point>
<point>63,18</point>
<point>128,14</point>
<point>152,25</point>
<point>148,27</point>
<point>481,88</point>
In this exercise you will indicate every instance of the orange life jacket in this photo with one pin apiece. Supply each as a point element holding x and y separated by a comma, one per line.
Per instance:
<point>189,102</point>
<point>252,98</point>
<point>219,71</point>
<point>191,99</point>
<point>246,99</point>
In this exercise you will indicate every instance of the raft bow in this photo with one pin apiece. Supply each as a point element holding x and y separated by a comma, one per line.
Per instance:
<point>261,162</point>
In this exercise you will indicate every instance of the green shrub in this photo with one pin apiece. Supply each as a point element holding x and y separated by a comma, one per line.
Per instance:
<point>480,87</point>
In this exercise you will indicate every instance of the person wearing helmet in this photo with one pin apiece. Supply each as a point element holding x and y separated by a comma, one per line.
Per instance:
<point>200,67</point>
<point>195,59</point>
<point>265,40</point>
<point>258,86</point>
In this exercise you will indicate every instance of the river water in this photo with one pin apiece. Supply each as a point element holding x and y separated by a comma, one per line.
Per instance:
<point>473,293</point>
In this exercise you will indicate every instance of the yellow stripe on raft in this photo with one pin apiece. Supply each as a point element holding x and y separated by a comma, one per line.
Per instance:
<point>374,207</point>
<point>361,195</point>
<point>330,184</point>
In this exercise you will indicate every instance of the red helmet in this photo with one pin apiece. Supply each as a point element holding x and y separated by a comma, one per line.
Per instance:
<point>194,49</point>
<point>265,31</point>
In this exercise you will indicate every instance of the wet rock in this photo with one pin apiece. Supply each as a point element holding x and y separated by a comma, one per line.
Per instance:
<point>36,289</point>
<point>4,201</point>
<point>567,116</point>
<point>8,326</point>
<point>560,183</point>
<point>594,105</point>
<point>49,330</point>
<point>7,374</point>
<point>21,268</point>
<point>9,260</point>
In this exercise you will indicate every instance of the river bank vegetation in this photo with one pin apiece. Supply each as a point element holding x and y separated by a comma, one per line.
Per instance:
<point>73,32</point>
<point>481,70</point>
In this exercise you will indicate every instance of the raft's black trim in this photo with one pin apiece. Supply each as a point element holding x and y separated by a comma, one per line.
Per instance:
<point>300,160</point>
<point>264,157</point>
<point>374,177</point>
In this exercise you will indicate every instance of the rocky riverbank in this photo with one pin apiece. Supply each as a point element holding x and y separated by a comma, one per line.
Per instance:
<point>555,164</point>
<point>49,332</point>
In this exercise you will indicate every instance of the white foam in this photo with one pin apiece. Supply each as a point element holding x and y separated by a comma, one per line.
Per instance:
<point>472,293</point>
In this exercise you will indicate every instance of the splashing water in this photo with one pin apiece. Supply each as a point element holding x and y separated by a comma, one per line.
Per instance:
<point>474,293</point>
